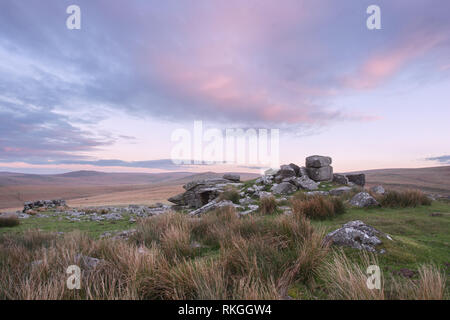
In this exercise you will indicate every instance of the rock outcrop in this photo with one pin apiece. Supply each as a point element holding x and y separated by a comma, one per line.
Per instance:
<point>43,204</point>
<point>356,234</point>
<point>201,192</point>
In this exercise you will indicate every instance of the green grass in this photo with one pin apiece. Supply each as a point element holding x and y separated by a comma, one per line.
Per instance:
<point>418,237</point>
<point>259,246</point>
<point>52,224</point>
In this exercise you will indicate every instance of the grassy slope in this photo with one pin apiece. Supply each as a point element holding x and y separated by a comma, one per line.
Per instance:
<point>418,237</point>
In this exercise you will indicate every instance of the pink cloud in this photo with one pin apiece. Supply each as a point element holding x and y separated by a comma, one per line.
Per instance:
<point>380,67</point>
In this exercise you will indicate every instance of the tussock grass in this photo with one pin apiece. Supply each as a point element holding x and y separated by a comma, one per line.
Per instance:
<point>317,207</point>
<point>252,257</point>
<point>429,286</point>
<point>230,193</point>
<point>9,221</point>
<point>403,199</point>
<point>348,280</point>
<point>267,205</point>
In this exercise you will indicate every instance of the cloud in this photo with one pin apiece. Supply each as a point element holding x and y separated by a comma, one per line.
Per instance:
<point>254,63</point>
<point>163,164</point>
<point>30,133</point>
<point>441,159</point>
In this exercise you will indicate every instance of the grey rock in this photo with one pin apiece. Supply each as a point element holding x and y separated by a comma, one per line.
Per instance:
<point>340,179</point>
<point>198,193</point>
<point>355,234</point>
<point>304,182</point>
<point>246,201</point>
<point>340,191</point>
<point>46,204</point>
<point>317,161</point>
<point>358,179</point>
<point>286,171</point>
<point>321,174</point>
<point>295,167</point>
<point>265,180</point>
<point>271,172</point>
<point>363,200</point>
<point>303,172</point>
<point>232,177</point>
<point>265,194</point>
<point>87,263</point>
<point>378,190</point>
<point>284,188</point>
<point>213,205</point>
<point>178,199</point>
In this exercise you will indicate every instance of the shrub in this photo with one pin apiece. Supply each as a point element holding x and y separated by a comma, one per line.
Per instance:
<point>9,221</point>
<point>230,193</point>
<point>409,198</point>
<point>267,205</point>
<point>318,207</point>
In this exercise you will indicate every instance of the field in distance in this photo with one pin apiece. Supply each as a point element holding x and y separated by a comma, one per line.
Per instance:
<point>92,188</point>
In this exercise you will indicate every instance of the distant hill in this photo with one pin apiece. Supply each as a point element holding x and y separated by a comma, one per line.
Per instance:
<point>431,180</point>
<point>100,188</point>
<point>96,187</point>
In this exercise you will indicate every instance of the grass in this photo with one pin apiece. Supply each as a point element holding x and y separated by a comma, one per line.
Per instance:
<point>230,193</point>
<point>50,223</point>
<point>267,205</point>
<point>317,207</point>
<point>223,256</point>
<point>9,221</point>
<point>403,199</point>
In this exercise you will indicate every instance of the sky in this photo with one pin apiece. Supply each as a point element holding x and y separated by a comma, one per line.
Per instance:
<point>111,95</point>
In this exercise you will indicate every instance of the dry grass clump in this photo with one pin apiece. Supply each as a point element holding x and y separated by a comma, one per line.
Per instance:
<point>403,199</point>
<point>430,285</point>
<point>230,193</point>
<point>8,221</point>
<point>38,271</point>
<point>317,207</point>
<point>347,280</point>
<point>267,205</point>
